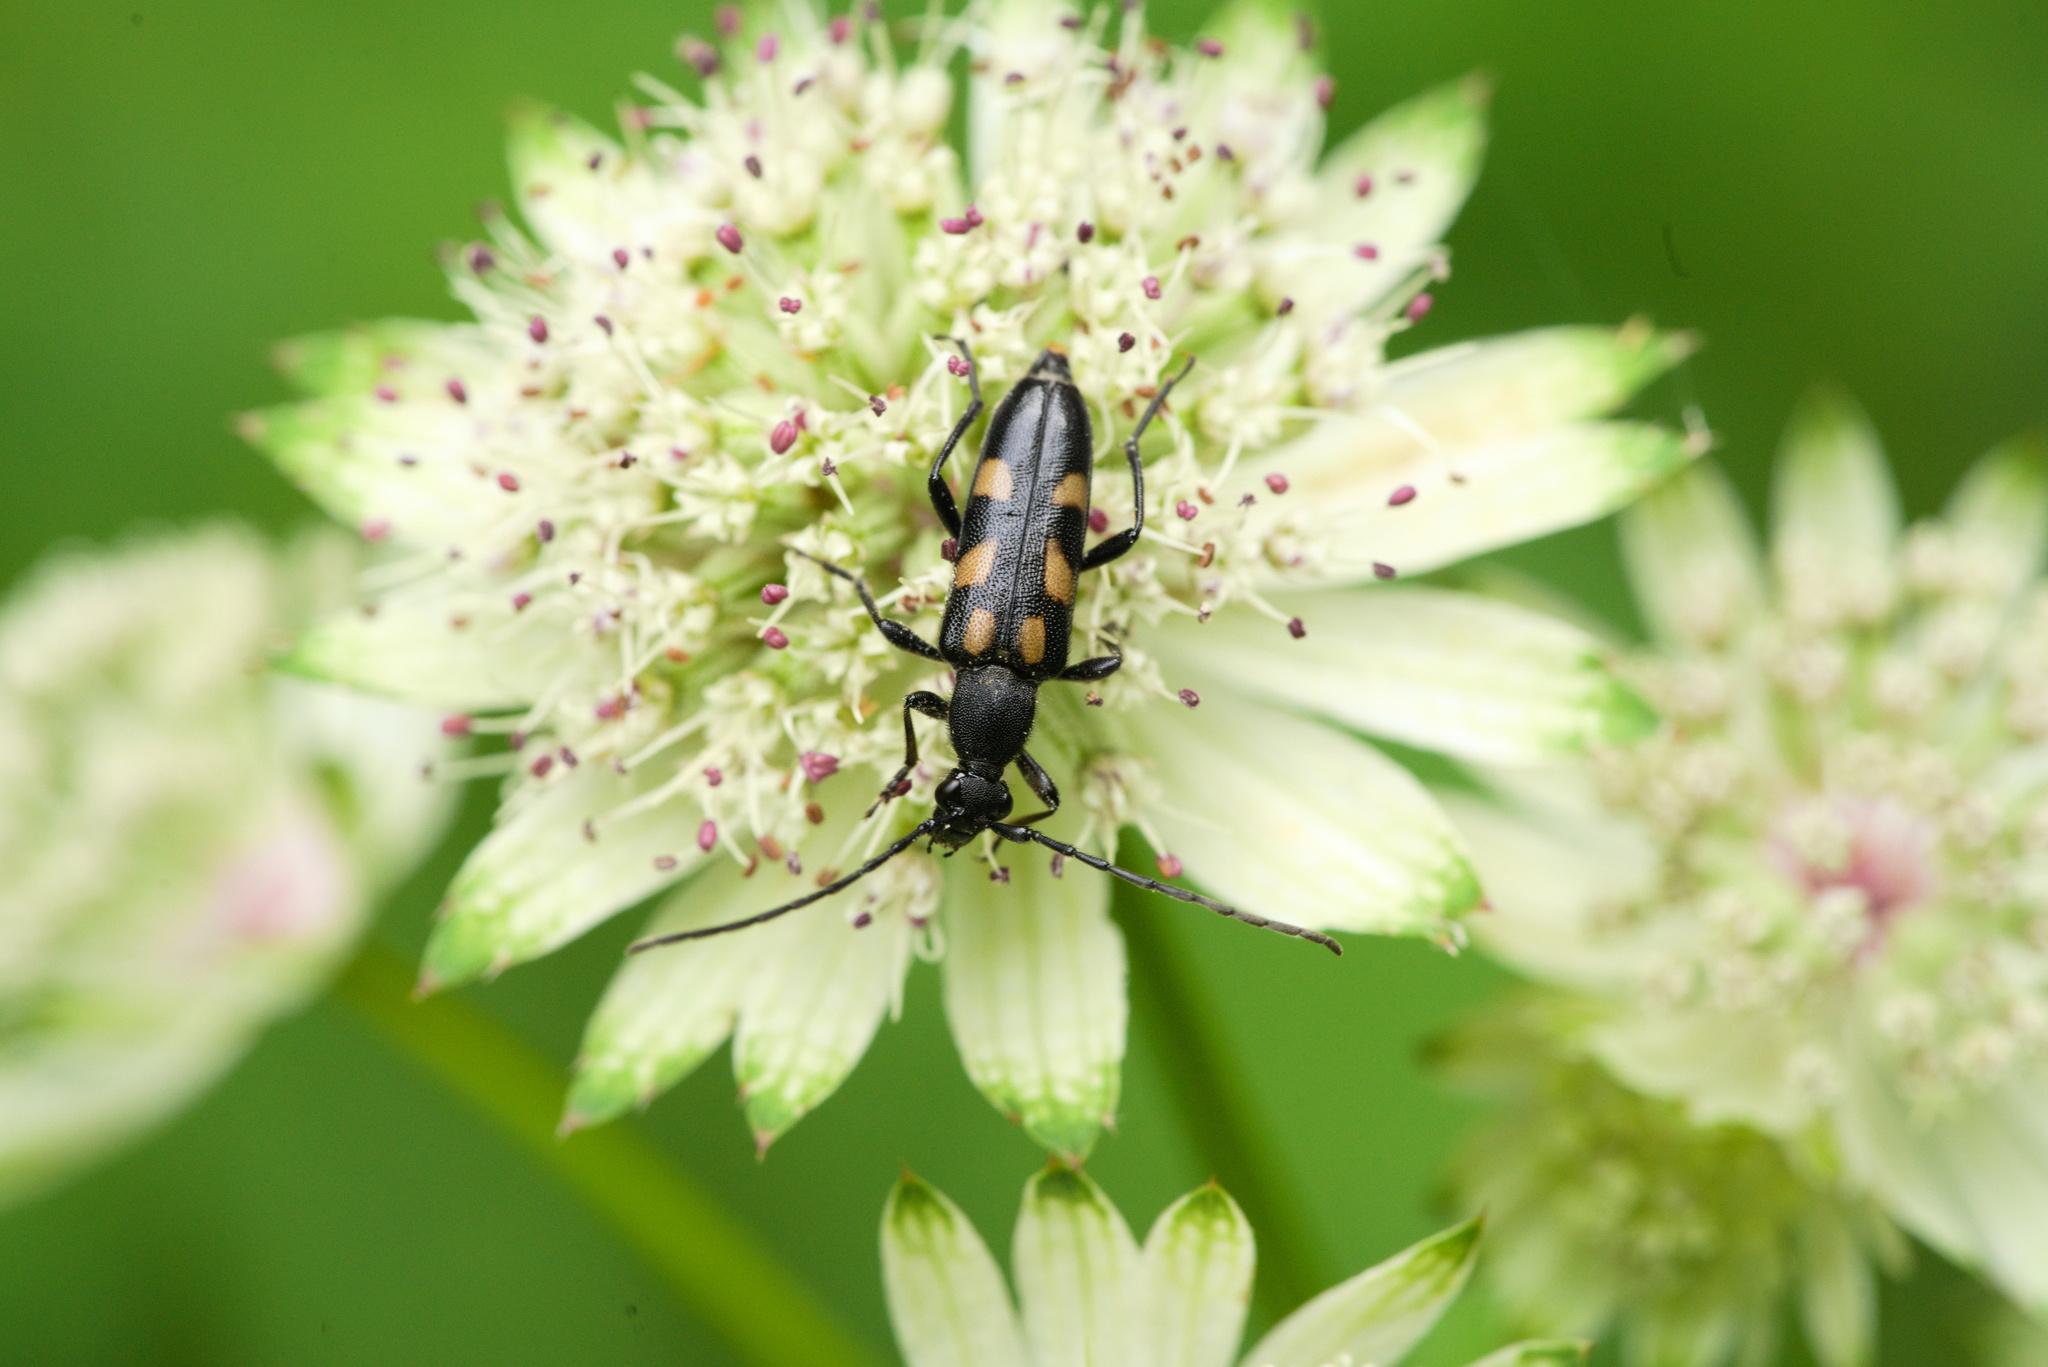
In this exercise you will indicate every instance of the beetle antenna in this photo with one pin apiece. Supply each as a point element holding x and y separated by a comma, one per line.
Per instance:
<point>836,885</point>
<point>1021,834</point>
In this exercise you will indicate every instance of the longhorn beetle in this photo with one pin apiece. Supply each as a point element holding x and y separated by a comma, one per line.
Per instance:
<point>1021,554</point>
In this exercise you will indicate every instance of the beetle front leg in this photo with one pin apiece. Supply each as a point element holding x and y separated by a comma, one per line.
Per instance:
<point>932,705</point>
<point>1106,551</point>
<point>935,481</point>
<point>1040,783</point>
<point>898,635</point>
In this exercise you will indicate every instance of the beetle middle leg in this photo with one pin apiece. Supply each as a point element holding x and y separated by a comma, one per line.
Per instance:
<point>932,705</point>
<point>1096,666</point>
<point>1089,670</point>
<point>899,635</point>
<point>1105,551</point>
<point>1040,783</point>
<point>935,481</point>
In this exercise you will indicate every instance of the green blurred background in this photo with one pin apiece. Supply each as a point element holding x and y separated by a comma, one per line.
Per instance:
<point>1846,191</point>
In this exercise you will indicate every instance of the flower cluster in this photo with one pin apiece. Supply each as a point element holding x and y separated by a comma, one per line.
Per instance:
<point>1816,902</point>
<point>1608,1207</point>
<point>716,342</point>
<point>1089,1292</point>
<point>188,846</point>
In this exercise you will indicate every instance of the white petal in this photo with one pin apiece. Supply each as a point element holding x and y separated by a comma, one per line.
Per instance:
<point>1498,389</point>
<point>1380,1313</point>
<point>946,1296</point>
<point>2001,511</point>
<point>585,198</point>
<point>1034,983</point>
<point>537,881</point>
<point>815,999</point>
<point>1297,821</point>
<point>1550,880</point>
<point>667,1010</point>
<point>461,652</point>
<point>1539,1353</point>
<point>1473,499</point>
<point>1199,1259</point>
<point>1725,1066</point>
<point>1692,559</point>
<point>1835,512</point>
<point>1433,668</point>
<point>390,815</point>
<point>1423,156</point>
<point>1078,1276</point>
<point>1972,1183</point>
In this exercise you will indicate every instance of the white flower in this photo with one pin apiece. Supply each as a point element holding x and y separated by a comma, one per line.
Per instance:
<point>1817,901</point>
<point>1607,1209</point>
<point>188,845</point>
<point>1088,1292</point>
<point>716,345</point>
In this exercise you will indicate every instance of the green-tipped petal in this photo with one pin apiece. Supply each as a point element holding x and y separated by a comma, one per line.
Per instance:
<point>1443,670</point>
<point>1539,1353</point>
<point>2000,512</point>
<point>1838,1295</point>
<point>1380,1313</point>
<point>1035,994</point>
<point>1199,1259</point>
<point>538,881</point>
<point>1079,1277</point>
<point>946,1296</point>
<point>1422,156</point>
<point>1692,559</point>
<point>352,362</point>
<point>1297,821</point>
<point>666,1011</point>
<point>1835,514</point>
<point>813,1004</point>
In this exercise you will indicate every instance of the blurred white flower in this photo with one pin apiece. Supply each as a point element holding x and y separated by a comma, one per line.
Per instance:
<point>1088,1292</point>
<point>1816,902</point>
<point>189,845</point>
<point>1608,1210</point>
<point>714,345</point>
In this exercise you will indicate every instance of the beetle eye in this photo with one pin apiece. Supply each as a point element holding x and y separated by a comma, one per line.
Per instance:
<point>949,791</point>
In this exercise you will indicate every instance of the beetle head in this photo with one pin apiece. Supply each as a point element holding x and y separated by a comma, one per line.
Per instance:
<point>965,805</point>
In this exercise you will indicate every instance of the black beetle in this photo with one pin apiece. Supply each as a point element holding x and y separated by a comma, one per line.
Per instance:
<point>1021,554</point>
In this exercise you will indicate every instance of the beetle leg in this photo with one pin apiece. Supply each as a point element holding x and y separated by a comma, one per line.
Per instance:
<point>1106,551</point>
<point>900,636</point>
<point>1040,783</point>
<point>932,705</point>
<point>935,482</point>
<point>1088,671</point>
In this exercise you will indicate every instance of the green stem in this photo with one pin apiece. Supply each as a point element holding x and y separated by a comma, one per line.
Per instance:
<point>725,1277</point>
<point>1204,1081</point>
